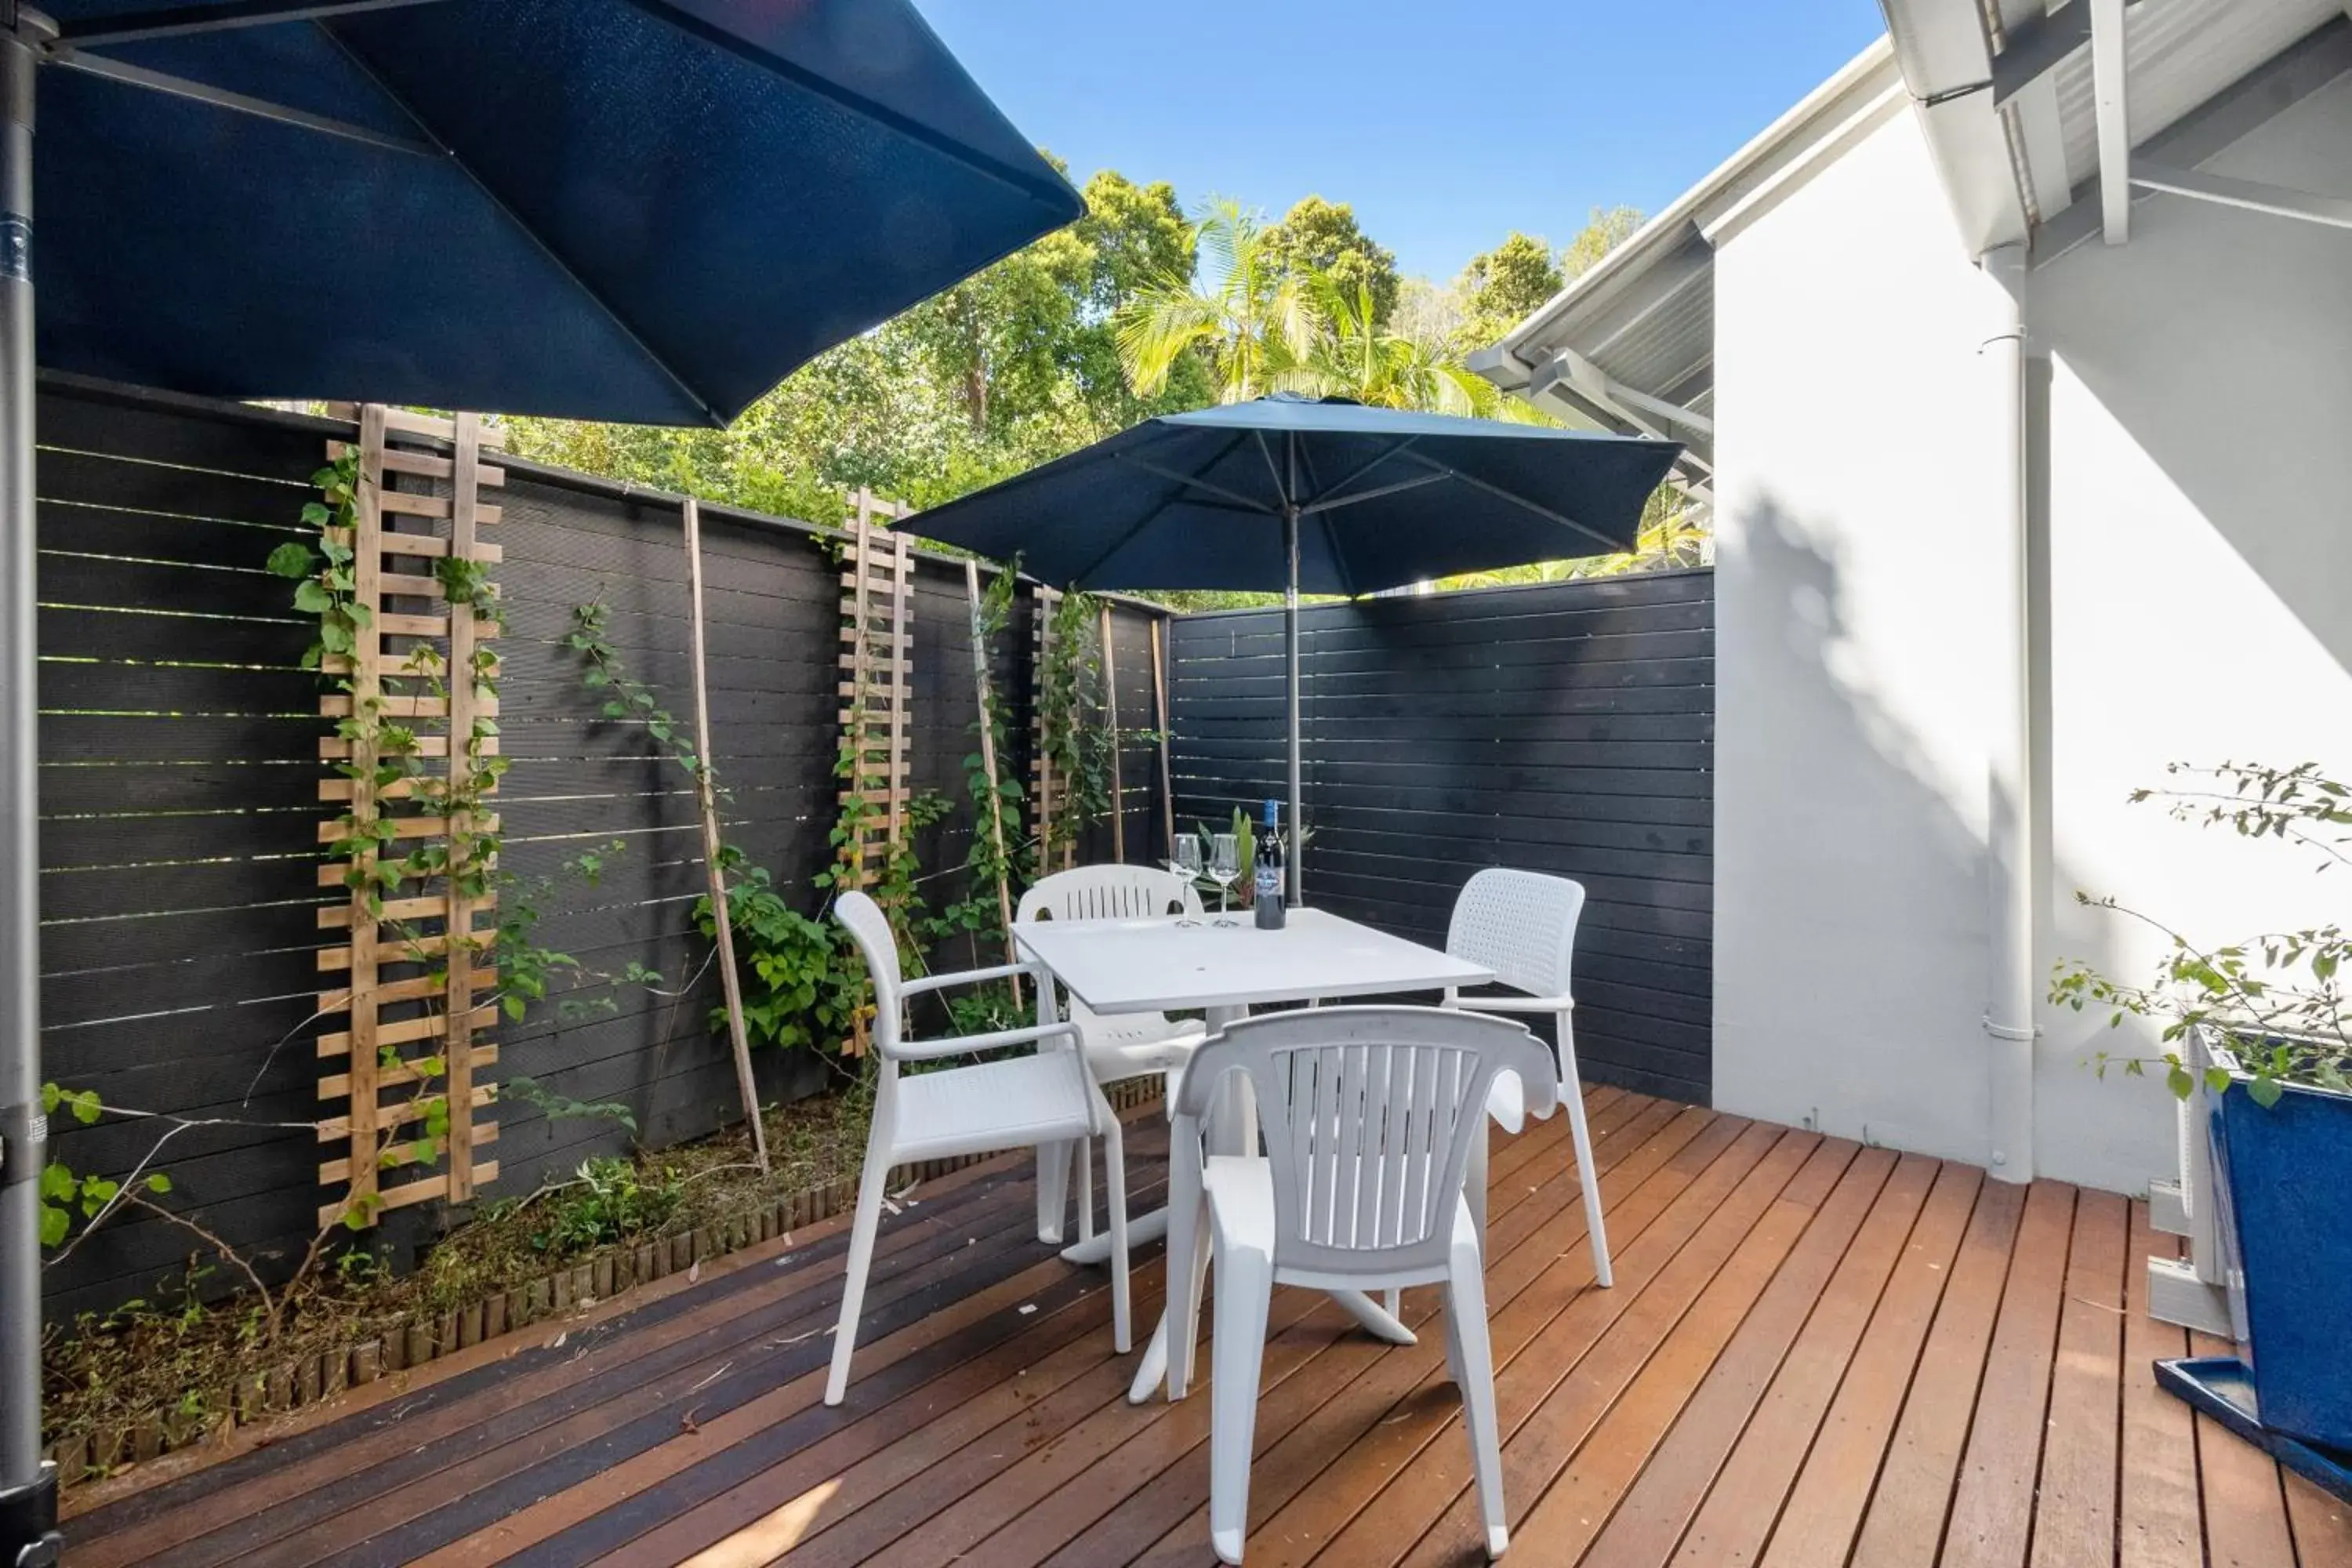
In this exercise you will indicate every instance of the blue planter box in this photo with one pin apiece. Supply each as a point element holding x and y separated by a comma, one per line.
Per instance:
<point>2285,1226</point>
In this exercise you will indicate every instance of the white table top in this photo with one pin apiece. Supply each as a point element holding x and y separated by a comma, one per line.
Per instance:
<point>1156,965</point>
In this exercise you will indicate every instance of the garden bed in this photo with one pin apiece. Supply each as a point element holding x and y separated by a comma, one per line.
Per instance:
<point>149,1381</point>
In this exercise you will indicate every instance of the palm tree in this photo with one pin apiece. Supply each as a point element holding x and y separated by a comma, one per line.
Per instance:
<point>1353,356</point>
<point>1251,318</point>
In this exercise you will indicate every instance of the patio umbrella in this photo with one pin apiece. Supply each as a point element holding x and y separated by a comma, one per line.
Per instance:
<point>1310,496</point>
<point>642,210</point>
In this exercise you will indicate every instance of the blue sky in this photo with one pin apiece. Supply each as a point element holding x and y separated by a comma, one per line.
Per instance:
<point>1447,122</point>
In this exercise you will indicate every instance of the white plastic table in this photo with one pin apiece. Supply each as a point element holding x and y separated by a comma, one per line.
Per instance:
<point>1160,965</point>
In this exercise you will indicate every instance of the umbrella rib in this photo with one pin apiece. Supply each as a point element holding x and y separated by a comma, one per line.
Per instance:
<point>218,17</point>
<point>1152,513</point>
<point>512,217</point>
<point>1442,471</point>
<point>1280,487</point>
<point>1335,502</point>
<point>1367,468</point>
<point>122,72</point>
<point>1198,484</point>
<point>1055,193</point>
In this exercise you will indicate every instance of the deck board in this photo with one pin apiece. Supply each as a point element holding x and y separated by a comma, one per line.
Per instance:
<point>1816,1355</point>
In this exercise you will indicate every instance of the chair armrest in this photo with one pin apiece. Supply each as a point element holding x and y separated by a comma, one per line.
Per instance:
<point>969,977</point>
<point>965,1045</point>
<point>1512,1004</point>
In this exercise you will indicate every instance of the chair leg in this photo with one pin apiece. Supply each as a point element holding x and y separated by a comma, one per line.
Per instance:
<point>870,1187</point>
<point>1053,1190</point>
<point>1465,1316</point>
<point>1084,1150</point>
<point>1571,1089</point>
<point>1244,1293</point>
<point>1475,1176</point>
<point>1122,1327</point>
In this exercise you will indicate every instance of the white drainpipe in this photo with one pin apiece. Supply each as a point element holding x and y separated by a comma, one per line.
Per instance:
<point>2009,821</point>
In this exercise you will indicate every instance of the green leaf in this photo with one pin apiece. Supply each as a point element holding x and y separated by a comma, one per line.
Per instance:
<point>316,513</point>
<point>157,1181</point>
<point>312,598</point>
<point>2266,1091</point>
<point>55,1223</point>
<point>293,560</point>
<point>58,1182</point>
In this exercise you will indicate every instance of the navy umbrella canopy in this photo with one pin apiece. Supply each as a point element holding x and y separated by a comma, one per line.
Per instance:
<point>1384,497</point>
<point>1319,497</point>
<point>642,210</point>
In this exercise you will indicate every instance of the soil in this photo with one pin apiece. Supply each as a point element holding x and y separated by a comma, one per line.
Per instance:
<point>180,1363</point>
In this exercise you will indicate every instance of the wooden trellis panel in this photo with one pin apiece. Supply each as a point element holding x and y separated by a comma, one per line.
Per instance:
<point>877,635</point>
<point>435,989</point>
<point>1049,793</point>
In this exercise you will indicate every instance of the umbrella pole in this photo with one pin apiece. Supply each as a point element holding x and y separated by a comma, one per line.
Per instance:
<point>28,1499</point>
<point>1290,636</point>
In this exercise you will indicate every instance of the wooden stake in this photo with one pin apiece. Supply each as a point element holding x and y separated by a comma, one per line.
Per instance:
<point>367,571</point>
<point>707,794</point>
<point>1110,716</point>
<point>457,1038</point>
<point>988,766</point>
<point>1159,706</point>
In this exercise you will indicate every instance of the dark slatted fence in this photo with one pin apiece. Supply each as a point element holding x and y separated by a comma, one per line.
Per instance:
<point>179,776</point>
<point>1566,728</point>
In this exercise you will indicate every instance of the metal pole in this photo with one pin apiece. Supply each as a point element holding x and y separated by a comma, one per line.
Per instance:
<point>28,1498</point>
<point>1290,635</point>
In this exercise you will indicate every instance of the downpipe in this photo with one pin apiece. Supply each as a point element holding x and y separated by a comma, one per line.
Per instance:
<point>2008,822</point>
<point>28,1483</point>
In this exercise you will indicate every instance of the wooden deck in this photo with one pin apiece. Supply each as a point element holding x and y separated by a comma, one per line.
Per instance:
<point>1816,1354</point>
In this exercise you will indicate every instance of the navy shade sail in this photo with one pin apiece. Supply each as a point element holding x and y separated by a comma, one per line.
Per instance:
<point>1310,496</point>
<point>1385,497</point>
<point>640,210</point>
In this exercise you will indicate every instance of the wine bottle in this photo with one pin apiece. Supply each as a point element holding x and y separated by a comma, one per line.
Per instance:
<point>1266,897</point>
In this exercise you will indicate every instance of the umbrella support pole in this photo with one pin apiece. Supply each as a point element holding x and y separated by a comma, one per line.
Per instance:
<point>1297,858</point>
<point>28,1484</point>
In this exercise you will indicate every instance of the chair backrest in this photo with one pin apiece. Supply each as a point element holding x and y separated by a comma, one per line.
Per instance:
<point>869,928</point>
<point>1108,893</point>
<point>1368,1114</point>
<point>1521,925</point>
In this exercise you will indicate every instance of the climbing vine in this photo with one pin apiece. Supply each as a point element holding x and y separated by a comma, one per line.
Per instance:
<point>1079,752</point>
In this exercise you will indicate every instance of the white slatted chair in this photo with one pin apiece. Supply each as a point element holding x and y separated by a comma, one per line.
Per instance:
<point>1522,926</point>
<point>1046,1097</point>
<point>1370,1116</point>
<point>1118,1048</point>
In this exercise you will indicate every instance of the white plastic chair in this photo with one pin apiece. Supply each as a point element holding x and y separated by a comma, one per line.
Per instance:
<point>1118,1048</point>
<point>1370,1115</point>
<point>1522,926</point>
<point>1045,1096</point>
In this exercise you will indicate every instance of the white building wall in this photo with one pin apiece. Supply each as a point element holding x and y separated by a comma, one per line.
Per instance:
<point>2199,520</point>
<point>1852,510</point>
<point>2194,573</point>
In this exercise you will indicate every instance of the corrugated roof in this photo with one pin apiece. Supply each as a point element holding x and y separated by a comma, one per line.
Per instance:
<point>2178,55</point>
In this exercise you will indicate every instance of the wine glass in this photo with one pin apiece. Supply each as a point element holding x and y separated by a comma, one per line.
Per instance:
<point>1225,866</point>
<point>1187,864</point>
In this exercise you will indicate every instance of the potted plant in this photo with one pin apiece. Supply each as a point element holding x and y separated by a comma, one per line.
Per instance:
<point>2266,1024</point>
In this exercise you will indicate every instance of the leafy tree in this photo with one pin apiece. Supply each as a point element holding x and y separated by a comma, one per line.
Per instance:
<point>1603,231</point>
<point>1502,287</point>
<point>1315,236</point>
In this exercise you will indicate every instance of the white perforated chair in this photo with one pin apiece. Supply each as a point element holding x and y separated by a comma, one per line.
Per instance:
<point>1129,1046</point>
<point>1522,926</point>
<point>1370,1115</point>
<point>1045,1096</point>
